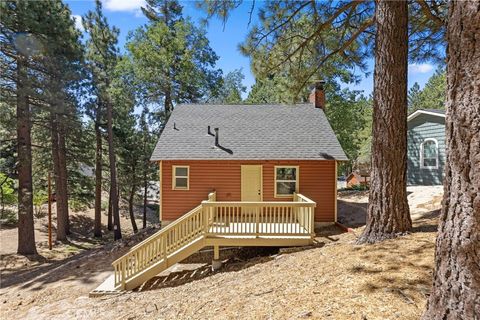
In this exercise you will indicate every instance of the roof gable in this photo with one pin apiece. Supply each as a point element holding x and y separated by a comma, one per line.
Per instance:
<point>432,112</point>
<point>248,132</point>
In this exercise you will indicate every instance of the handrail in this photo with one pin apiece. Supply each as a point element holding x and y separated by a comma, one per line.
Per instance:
<point>168,227</point>
<point>157,247</point>
<point>261,218</point>
<point>217,218</point>
<point>259,203</point>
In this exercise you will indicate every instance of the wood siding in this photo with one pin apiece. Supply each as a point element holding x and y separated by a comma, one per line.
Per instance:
<point>420,128</point>
<point>316,181</point>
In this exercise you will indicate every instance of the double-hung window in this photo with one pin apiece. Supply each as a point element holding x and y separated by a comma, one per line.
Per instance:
<point>286,181</point>
<point>180,177</point>
<point>429,154</point>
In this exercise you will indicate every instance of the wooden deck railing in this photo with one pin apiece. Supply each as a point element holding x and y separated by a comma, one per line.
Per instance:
<point>261,218</point>
<point>158,246</point>
<point>217,219</point>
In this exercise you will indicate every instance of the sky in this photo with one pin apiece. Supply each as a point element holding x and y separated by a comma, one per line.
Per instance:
<point>224,40</point>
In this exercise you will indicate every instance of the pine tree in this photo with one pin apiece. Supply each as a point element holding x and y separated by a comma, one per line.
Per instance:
<point>18,45</point>
<point>148,169</point>
<point>171,57</point>
<point>456,278</point>
<point>388,211</point>
<point>414,96</point>
<point>102,57</point>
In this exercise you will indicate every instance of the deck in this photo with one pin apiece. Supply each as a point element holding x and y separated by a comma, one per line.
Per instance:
<point>214,223</point>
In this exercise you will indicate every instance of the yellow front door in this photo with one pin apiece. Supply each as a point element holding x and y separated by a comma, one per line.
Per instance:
<point>251,183</point>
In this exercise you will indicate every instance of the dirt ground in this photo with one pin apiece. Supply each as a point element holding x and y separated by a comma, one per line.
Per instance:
<point>334,279</point>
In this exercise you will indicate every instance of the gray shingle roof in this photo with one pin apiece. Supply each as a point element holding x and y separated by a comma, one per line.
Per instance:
<point>439,111</point>
<point>248,132</point>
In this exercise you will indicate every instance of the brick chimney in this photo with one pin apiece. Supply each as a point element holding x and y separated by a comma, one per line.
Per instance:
<point>317,96</point>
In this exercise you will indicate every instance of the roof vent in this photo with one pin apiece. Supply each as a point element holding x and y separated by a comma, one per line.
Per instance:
<point>209,132</point>
<point>175,126</point>
<point>216,137</point>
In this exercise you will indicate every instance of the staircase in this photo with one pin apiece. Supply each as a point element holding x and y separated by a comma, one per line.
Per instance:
<point>213,224</point>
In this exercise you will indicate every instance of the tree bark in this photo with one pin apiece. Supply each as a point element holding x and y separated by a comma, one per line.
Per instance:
<point>117,232</point>
<point>130,206</point>
<point>456,279</point>
<point>61,225</point>
<point>2,201</point>
<point>145,193</point>
<point>110,215</point>
<point>26,234</point>
<point>388,212</point>
<point>63,175</point>
<point>97,229</point>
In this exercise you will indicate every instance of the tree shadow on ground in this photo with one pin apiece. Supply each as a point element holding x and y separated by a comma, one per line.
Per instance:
<point>388,267</point>
<point>238,259</point>
<point>427,222</point>
<point>83,266</point>
<point>352,214</point>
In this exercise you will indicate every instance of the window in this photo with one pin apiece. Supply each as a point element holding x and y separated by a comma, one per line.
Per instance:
<point>180,177</point>
<point>286,181</point>
<point>429,154</point>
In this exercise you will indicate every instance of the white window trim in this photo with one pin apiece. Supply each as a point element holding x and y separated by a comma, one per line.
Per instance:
<point>174,176</point>
<point>422,166</point>
<point>297,181</point>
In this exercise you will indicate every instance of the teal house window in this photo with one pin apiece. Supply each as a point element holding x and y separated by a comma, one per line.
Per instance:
<point>429,154</point>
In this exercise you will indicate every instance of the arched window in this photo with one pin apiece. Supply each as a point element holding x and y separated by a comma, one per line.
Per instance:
<point>429,154</point>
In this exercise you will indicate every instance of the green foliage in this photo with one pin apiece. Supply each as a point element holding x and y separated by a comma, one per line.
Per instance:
<point>8,152</point>
<point>231,88</point>
<point>40,197</point>
<point>8,217</point>
<point>269,90</point>
<point>349,114</point>
<point>172,60</point>
<point>7,191</point>
<point>360,187</point>
<point>432,96</point>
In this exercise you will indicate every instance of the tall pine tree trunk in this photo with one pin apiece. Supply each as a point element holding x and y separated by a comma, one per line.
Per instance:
<point>97,228</point>
<point>26,233</point>
<point>62,172</point>
<point>117,232</point>
<point>456,280</point>
<point>388,212</point>
<point>61,220</point>
<point>130,205</point>
<point>145,193</point>
<point>109,214</point>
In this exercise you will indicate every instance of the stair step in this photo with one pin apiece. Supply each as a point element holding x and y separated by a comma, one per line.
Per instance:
<point>106,288</point>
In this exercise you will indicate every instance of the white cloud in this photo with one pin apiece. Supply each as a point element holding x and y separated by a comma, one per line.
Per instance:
<point>123,5</point>
<point>420,68</point>
<point>78,22</point>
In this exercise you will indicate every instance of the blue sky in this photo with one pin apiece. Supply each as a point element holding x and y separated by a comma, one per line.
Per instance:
<point>126,15</point>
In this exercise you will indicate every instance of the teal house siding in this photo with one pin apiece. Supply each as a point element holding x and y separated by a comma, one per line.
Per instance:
<point>420,128</point>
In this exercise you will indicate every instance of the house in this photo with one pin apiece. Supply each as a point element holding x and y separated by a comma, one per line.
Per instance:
<point>426,147</point>
<point>358,179</point>
<point>237,175</point>
<point>248,153</point>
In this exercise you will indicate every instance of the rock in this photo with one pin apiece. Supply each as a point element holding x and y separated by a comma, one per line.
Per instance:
<point>305,314</point>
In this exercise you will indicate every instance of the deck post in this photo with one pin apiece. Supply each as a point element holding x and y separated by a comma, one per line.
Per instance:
<point>257,222</point>
<point>205,215</point>
<point>164,249</point>
<point>123,274</point>
<point>311,211</point>
<point>216,262</point>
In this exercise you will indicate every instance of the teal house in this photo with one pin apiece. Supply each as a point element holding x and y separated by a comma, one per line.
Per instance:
<point>426,147</point>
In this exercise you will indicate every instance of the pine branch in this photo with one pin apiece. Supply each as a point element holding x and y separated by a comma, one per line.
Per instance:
<point>429,14</point>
